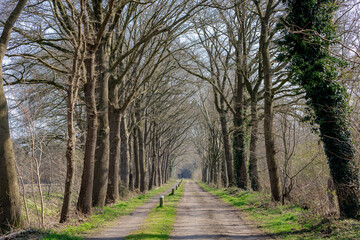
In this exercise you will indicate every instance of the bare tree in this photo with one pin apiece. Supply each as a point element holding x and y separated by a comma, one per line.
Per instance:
<point>10,208</point>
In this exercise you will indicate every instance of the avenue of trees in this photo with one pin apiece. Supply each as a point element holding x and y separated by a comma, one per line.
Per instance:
<point>107,98</point>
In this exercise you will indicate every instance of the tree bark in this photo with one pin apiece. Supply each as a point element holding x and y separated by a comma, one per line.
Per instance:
<point>136,159</point>
<point>131,164</point>
<point>124,154</point>
<point>113,182</point>
<point>152,178</point>
<point>101,169</point>
<point>84,204</point>
<point>160,162</point>
<point>10,208</point>
<point>141,159</point>
<point>227,149</point>
<point>240,171</point>
<point>71,142</point>
<point>268,113</point>
<point>253,169</point>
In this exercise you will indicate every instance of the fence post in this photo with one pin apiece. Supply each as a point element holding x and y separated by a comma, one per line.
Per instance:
<point>161,201</point>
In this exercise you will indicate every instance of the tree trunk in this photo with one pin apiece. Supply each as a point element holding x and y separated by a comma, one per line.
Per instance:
<point>71,142</point>
<point>136,159</point>
<point>240,171</point>
<point>10,208</point>
<point>113,182</point>
<point>131,164</point>
<point>268,113</point>
<point>157,151</point>
<point>152,178</point>
<point>166,166</point>
<point>204,173</point>
<point>253,169</point>
<point>141,159</point>
<point>84,204</point>
<point>315,70</point>
<point>124,155</point>
<point>141,147</point>
<point>227,149</point>
<point>101,169</point>
<point>160,163</point>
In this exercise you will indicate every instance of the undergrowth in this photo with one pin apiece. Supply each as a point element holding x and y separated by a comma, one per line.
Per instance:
<point>104,216</point>
<point>286,221</point>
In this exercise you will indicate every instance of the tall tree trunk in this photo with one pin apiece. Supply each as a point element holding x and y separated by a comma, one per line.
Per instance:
<point>240,171</point>
<point>84,204</point>
<point>141,147</point>
<point>124,154</point>
<point>166,166</point>
<point>152,177</point>
<point>101,169</point>
<point>136,159</point>
<point>268,112</point>
<point>315,70</point>
<point>141,158</point>
<point>71,142</point>
<point>131,164</point>
<point>253,169</point>
<point>156,176</point>
<point>113,182</point>
<point>225,178</point>
<point>240,44</point>
<point>227,149</point>
<point>204,172</point>
<point>10,208</point>
<point>160,162</point>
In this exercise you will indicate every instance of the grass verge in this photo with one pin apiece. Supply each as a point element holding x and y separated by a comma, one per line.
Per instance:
<point>286,221</point>
<point>159,223</point>
<point>104,216</point>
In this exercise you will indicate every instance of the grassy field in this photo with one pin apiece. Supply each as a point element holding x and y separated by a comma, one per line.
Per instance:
<point>101,217</point>
<point>159,223</point>
<point>286,221</point>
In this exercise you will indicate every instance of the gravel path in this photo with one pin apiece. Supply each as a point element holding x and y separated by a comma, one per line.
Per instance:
<point>125,225</point>
<point>200,215</point>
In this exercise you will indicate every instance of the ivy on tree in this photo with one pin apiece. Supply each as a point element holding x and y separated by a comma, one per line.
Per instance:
<point>308,34</point>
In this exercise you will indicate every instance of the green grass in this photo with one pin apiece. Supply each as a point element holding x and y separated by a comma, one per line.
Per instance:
<point>104,216</point>
<point>159,223</point>
<point>286,221</point>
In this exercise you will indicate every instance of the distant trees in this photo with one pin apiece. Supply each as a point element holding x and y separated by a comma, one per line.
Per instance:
<point>237,44</point>
<point>116,57</point>
<point>111,66</point>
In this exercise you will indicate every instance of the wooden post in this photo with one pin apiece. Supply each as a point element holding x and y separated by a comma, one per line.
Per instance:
<point>176,187</point>
<point>172,191</point>
<point>161,201</point>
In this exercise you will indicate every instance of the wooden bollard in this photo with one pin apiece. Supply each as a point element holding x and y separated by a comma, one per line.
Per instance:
<point>161,201</point>
<point>172,191</point>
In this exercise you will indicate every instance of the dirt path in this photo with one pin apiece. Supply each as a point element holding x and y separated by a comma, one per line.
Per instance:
<point>125,225</point>
<point>201,215</point>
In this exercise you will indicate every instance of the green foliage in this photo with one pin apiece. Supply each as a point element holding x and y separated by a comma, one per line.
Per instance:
<point>272,217</point>
<point>308,33</point>
<point>285,221</point>
<point>53,236</point>
<point>159,223</point>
